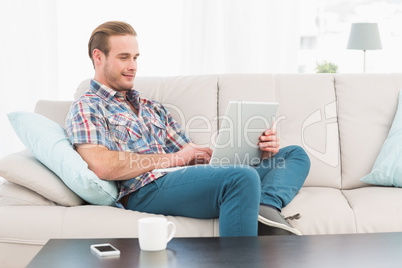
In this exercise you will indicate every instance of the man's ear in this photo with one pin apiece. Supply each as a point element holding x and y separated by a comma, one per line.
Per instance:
<point>98,57</point>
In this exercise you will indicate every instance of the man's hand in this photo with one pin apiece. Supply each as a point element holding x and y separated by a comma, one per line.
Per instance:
<point>269,143</point>
<point>192,154</point>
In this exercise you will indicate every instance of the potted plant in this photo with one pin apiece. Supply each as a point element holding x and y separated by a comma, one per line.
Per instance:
<point>326,67</point>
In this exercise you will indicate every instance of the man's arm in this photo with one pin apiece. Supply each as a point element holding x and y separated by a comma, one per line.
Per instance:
<point>114,165</point>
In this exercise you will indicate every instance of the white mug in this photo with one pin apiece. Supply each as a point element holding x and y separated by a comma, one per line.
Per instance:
<point>153,233</point>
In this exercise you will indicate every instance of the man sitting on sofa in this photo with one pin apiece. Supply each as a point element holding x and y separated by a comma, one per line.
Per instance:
<point>124,137</point>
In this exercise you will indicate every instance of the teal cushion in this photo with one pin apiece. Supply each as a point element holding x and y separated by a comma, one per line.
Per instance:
<point>49,143</point>
<point>387,170</point>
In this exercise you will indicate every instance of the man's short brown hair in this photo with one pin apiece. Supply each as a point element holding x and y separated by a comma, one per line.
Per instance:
<point>100,36</point>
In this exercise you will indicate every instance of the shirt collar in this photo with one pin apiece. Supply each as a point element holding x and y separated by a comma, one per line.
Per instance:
<point>108,94</point>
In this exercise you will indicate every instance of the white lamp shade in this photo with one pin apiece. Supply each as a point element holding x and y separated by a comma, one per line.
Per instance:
<point>364,36</point>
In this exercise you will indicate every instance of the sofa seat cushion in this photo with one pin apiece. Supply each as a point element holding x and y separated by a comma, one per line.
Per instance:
<point>376,208</point>
<point>49,143</point>
<point>323,210</point>
<point>12,194</point>
<point>87,221</point>
<point>24,169</point>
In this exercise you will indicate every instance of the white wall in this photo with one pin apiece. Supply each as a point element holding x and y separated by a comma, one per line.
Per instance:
<point>43,43</point>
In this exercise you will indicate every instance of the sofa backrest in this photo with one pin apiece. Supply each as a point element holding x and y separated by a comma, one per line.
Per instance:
<point>54,110</point>
<point>367,105</point>
<point>306,117</point>
<point>341,120</point>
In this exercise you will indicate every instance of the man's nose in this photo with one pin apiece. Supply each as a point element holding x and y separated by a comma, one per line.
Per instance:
<point>132,65</point>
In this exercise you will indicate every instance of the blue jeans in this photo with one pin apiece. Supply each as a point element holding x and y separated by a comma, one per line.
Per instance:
<point>232,193</point>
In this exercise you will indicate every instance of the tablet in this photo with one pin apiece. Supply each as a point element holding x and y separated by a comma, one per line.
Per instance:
<point>241,127</point>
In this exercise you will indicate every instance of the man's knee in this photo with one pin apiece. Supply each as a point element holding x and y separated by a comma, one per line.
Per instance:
<point>300,161</point>
<point>247,176</point>
<point>297,152</point>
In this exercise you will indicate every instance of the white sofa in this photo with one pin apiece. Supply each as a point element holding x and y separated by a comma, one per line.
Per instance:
<point>341,120</point>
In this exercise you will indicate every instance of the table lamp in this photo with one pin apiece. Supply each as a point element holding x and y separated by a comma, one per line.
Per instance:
<point>364,36</point>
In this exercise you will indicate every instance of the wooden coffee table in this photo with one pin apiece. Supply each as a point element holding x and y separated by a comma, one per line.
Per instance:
<point>357,250</point>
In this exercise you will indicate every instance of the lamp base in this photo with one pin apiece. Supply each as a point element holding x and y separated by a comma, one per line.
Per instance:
<point>364,61</point>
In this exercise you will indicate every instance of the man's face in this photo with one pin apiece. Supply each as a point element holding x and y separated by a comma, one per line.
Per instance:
<point>118,69</point>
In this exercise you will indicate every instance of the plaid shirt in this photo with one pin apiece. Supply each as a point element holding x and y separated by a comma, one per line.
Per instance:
<point>102,116</point>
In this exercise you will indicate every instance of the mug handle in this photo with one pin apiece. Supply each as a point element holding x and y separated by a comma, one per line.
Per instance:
<point>172,232</point>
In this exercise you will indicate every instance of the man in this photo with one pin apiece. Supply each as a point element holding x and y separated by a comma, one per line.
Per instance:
<point>124,138</point>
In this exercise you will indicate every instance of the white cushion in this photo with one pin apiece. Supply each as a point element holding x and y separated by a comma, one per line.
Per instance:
<point>12,194</point>
<point>24,169</point>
